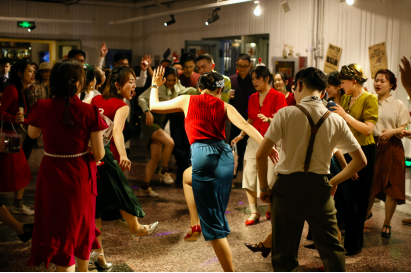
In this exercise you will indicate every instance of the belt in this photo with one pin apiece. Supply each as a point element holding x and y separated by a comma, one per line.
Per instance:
<point>66,156</point>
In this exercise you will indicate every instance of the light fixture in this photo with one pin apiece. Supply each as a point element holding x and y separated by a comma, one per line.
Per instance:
<point>285,6</point>
<point>257,11</point>
<point>172,21</point>
<point>349,2</point>
<point>214,17</point>
<point>30,29</point>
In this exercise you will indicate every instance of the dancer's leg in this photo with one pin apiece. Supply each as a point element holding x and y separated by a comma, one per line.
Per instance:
<point>252,202</point>
<point>188,193</point>
<point>65,268</point>
<point>155,148</point>
<point>223,252</point>
<point>101,258</point>
<point>162,137</point>
<point>132,222</point>
<point>390,206</point>
<point>9,220</point>
<point>82,265</point>
<point>370,204</point>
<point>267,241</point>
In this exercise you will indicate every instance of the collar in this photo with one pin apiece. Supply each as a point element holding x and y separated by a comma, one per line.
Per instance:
<point>311,98</point>
<point>241,79</point>
<point>387,100</point>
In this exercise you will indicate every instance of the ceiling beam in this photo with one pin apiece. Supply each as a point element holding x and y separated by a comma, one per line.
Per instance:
<point>127,5</point>
<point>44,20</point>
<point>177,11</point>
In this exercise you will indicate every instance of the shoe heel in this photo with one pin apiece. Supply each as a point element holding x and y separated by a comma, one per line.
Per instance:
<point>265,254</point>
<point>196,234</point>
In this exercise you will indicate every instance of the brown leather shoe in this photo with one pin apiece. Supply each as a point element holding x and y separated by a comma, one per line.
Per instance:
<point>406,222</point>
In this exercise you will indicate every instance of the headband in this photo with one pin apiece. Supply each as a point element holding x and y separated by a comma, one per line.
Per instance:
<point>351,73</point>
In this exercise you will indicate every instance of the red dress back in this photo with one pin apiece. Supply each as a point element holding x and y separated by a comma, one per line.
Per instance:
<point>109,108</point>
<point>205,118</point>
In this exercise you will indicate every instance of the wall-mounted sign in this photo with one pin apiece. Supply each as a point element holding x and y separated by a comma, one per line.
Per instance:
<point>332,60</point>
<point>378,58</point>
<point>25,24</point>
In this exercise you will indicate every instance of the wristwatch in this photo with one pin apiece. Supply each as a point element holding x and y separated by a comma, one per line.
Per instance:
<point>154,86</point>
<point>264,189</point>
<point>146,111</point>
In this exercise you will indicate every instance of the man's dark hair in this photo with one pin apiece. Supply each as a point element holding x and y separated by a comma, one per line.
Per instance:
<point>5,61</point>
<point>119,56</point>
<point>165,60</point>
<point>74,52</point>
<point>244,57</point>
<point>312,78</point>
<point>176,63</point>
<point>207,57</point>
<point>187,57</point>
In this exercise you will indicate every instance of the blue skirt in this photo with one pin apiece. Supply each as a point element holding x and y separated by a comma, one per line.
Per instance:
<point>213,166</point>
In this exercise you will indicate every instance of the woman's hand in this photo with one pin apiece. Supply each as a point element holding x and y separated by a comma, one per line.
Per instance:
<point>158,77</point>
<point>274,156</point>
<point>143,64</point>
<point>355,177</point>
<point>405,70</point>
<point>263,118</point>
<point>149,118</point>
<point>19,118</point>
<point>148,59</point>
<point>236,140</point>
<point>125,164</point>
<point>405,133</point>
<point>387,134</point>
<point>339,110</point>
<point>266,196</point>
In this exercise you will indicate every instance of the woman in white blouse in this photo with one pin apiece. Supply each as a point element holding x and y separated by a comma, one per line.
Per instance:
<point>152,125</point>
<point>389,172</point>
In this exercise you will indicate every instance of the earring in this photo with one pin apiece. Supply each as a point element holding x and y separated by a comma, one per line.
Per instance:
<point>118,91</point>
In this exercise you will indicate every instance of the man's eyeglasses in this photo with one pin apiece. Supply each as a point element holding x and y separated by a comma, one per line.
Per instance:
<point>243,66</point>
<point>188,67</point>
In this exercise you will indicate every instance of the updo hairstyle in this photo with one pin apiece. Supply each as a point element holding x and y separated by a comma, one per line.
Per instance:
<point>263,71</point>
<point>63,78</point>
<point>312,78</point>
<point>353,72</point>
<point>209,81</point>
<point>119,74</point>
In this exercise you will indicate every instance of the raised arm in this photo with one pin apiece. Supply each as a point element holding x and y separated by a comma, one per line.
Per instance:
<point>405,70</point>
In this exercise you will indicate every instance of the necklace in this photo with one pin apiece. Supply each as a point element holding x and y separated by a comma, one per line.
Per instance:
<point>358,96</point>
<point>262,94</point>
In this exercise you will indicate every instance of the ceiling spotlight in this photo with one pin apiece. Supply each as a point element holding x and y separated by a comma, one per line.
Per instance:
<point>285,6</point>
<point>349,2</point>
<point>172,21</point>
<point>214,17</point>
<point>30,29</point>
<point>257,11</point>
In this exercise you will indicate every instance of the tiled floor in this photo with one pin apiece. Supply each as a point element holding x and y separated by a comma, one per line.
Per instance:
<point>166,250</point>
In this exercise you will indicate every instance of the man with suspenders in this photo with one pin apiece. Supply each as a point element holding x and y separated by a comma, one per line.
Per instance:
<point>303,191</point>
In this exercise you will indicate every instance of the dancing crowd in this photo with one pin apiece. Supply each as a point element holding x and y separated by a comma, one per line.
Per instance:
<point>319,150</point>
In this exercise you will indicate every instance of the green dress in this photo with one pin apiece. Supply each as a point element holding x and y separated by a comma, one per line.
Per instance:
<point>114,191</point>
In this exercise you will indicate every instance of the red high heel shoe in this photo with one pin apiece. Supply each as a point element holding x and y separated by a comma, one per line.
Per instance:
<point>252,222</point>
<point>195,233</point>
<point>268,215</point>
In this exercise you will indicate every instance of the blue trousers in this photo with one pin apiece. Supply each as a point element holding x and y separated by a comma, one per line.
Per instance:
<point>213,166</point>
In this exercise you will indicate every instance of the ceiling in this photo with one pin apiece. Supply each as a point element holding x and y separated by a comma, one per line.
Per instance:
<point>131,3</point>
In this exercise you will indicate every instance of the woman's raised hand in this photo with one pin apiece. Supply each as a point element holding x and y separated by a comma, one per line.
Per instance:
<point>158,77</point>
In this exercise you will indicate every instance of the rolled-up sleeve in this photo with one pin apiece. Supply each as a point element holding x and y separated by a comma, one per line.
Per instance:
<point>144,100</point>
<point>141,81</point>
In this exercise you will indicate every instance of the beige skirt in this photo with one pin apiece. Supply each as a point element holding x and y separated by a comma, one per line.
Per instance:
<point>250,177</point>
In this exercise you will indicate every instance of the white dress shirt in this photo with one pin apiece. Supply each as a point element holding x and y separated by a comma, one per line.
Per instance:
<point>392,114</point>
<point>291,126</point>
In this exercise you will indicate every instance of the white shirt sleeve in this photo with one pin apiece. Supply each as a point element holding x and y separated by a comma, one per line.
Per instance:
<point>275,130</point>
<point>347,142</point>
<point>99,62</point>
<point>140,82</point>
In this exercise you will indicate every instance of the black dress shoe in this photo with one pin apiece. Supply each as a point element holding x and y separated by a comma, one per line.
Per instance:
<point>352,253</point>
<point>386,234</point>
<point>256,248</point>
<point>310,246</point>
<point>28,233</point>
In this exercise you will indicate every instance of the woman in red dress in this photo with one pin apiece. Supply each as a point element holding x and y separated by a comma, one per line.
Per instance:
<point>66,183</point>
<point>14,169</point>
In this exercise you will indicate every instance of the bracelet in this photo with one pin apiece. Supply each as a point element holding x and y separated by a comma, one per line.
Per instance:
<point>241,135</point>
<point>264,189</point>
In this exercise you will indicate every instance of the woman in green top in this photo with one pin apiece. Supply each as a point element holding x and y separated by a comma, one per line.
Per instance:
<point>152,125</point>
<point>360,109</point>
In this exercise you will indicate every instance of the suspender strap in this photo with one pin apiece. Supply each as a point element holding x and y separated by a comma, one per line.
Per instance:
<point>314,130</point>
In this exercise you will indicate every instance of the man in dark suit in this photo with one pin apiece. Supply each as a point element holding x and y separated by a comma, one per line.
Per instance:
<point>4,74</point>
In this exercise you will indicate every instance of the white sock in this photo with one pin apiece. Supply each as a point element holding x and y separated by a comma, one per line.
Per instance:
<point>253,208</point>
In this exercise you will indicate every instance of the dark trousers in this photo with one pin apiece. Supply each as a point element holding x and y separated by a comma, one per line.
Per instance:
<point>181,149</point>
<point>28,145</point>
<point>234,132</point>
<point>298,198</point>
<point>358,194</point>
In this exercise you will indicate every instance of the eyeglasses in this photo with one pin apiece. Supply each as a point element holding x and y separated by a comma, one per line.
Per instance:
<point>188,67</point>
<point>243,66</point>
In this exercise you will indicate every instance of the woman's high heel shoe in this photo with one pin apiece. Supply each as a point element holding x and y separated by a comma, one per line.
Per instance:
<point>195,234</point>
<point>386,234</point>
<point>253,221</point>
<point>150,228</point>
<point>94,260</point>
<point>265,251</point>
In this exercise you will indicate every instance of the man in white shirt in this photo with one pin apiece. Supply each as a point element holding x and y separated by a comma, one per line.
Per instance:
<point>302,191</point>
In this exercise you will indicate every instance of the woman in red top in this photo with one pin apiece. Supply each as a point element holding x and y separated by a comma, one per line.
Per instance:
<point>280,84</point>
<point>212,159</point>
<point>14,169</point>
<point>66,186</point>
<point>262,106</point>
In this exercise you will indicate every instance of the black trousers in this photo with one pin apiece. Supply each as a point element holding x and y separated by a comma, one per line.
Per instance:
<point>358,194</point>
<point>181,149</point>
<point>234,132</point>
<point>28,145</point>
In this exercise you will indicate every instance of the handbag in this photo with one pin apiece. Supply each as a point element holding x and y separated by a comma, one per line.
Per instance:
<point>10,143</point>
